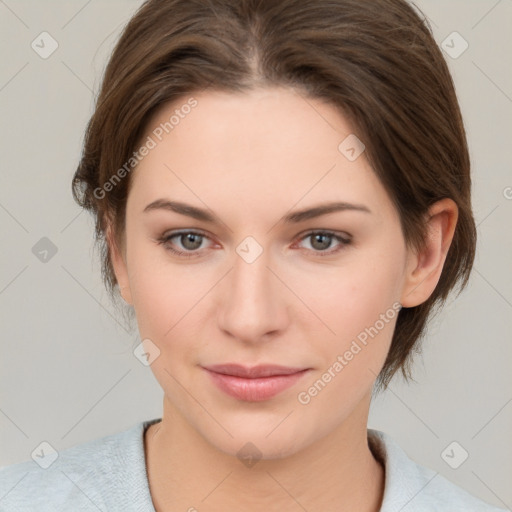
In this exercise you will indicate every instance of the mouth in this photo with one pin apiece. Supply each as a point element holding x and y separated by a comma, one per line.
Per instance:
<point>254,384</point>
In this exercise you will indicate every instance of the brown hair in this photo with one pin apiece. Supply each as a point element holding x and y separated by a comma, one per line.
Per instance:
<point>374,60</point>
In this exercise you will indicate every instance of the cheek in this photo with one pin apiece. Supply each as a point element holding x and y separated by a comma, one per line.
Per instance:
<point>163,295</point>
<point>353,296</point>
<point>359,302</point>
<point>362,310</point>
<point>167,305</point>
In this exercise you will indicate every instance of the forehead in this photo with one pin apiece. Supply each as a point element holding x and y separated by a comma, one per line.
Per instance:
<point>273,145</point>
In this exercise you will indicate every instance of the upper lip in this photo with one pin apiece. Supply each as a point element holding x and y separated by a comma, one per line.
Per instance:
<point>253,372</point>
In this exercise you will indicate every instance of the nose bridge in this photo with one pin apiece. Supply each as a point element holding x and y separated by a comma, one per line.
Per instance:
<point>251,278</point>
<point>253,305</point>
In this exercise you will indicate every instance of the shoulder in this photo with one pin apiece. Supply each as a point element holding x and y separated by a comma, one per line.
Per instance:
<point>412,487</point>
<point>89,476</point>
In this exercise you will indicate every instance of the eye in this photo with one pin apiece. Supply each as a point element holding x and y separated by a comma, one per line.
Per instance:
<point>321,241</point>
<point>188,242</point>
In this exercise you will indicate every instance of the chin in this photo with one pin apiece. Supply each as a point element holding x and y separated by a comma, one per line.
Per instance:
<point>259,444</point>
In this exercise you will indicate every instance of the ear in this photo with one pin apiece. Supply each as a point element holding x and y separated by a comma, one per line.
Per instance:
<point>119,265</point>
<point>424,268</point>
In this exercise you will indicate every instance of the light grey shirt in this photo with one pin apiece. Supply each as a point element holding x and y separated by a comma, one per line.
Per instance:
<point>109,474</point>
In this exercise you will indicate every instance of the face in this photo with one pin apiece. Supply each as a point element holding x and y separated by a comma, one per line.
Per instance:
<point>258,276</point>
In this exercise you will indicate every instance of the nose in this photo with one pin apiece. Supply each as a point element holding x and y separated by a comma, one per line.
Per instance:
<point>253,307</point>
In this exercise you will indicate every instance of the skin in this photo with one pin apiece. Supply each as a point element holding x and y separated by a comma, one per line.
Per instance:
<point>251,159</point>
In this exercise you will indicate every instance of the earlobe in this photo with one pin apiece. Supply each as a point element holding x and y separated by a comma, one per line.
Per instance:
<point>119,266</point>
<point>424,268</point>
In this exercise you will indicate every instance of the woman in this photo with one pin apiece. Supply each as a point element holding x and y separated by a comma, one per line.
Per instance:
<point>282,194</point>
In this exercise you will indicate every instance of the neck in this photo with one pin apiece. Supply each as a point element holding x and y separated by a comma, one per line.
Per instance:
<point>336,473</point>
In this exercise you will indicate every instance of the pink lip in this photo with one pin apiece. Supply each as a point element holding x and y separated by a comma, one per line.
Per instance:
<point>254,384</point>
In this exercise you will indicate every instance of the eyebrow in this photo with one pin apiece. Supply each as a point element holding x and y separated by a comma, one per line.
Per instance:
<point>294,217</point>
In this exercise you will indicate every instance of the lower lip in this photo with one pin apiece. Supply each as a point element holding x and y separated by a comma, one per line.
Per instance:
<point>254,390</point>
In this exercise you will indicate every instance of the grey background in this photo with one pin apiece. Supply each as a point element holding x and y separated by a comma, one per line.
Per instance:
<point>68,373</point>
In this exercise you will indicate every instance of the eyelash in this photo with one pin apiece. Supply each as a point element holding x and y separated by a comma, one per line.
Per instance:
<point>164,240</point>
